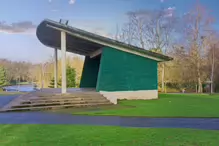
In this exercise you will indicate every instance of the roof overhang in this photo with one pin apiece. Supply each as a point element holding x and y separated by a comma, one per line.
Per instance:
<point>85,43</point>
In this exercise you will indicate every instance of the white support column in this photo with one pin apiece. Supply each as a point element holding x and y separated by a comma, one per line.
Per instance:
<point>55,68</point>
<point>63,49</point>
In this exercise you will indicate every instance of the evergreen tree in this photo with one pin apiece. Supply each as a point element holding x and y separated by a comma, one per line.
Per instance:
<point>52,83</point>
<point>3,80</point>
<point>70,78</point>
<point>60,83</point>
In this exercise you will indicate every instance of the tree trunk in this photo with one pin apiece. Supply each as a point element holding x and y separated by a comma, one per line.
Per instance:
<point>162,78</point>
<point>212,71</point>
<point>199,78</point>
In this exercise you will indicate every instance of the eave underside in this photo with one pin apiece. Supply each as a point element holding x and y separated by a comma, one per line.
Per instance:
<point>86,43</point>
<point>52,38</point>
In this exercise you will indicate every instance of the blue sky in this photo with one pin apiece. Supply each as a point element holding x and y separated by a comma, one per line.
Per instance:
<point>100,16</point>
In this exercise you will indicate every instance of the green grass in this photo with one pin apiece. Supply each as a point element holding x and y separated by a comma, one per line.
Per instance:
<point>10,93</point>
<point>19,83</point>
<point>169,105</point>
<point>69,135</point>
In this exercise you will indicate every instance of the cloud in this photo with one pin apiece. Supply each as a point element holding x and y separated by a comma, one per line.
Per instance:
<point>96,26</point>
<point>100,31</point>
<point>23,27</point>
<point>169,11</point>
<point>71,2</point>
<point>171,8</point>
<point>161,1</point>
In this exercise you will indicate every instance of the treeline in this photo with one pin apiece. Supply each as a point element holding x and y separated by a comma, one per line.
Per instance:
<point>190,39</point>
<point>12,72</point>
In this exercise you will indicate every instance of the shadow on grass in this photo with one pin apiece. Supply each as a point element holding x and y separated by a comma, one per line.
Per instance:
<point>74,111</point>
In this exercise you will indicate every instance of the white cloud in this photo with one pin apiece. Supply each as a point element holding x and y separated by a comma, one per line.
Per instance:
<point>99,31</point>
<point>23,27</point>
<point>71,2</point>
<point>169,11</point>
<point>171,8</point>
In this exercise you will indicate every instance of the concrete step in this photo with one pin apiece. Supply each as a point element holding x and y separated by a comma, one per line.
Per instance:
<point>84,97</point>
<point>69,97</point>
<point>46,104</point>
<point>41,101</point>
<point>55,103</point>
<point>62,99</point>
<point>52,98</point>
<point>58,103</point>
<point>39,94</point>
<point>53,107</point>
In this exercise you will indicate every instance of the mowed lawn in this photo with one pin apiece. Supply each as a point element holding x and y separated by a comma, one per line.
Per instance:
<point>10,93</point>
<point>69,135</point>
<point>168,105</point>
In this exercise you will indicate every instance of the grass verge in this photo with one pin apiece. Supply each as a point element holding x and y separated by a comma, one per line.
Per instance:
<point>168,105</point>
<point>64,135</point>
<point>10,93</point>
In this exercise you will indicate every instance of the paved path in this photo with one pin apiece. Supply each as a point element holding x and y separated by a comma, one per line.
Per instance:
<point>52,118</point>
<point>5,99</point>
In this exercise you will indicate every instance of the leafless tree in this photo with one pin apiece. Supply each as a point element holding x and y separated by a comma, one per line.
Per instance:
<point>197,30</point>
<point>151,29</point>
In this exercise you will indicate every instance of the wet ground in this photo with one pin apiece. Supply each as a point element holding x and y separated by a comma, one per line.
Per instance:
<point>55,118</point>
<point>20,88</point>
<point>5,99</point>
<point>52,118</point>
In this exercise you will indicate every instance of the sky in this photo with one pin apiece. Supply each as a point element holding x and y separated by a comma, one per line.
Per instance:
<point>19,19</point>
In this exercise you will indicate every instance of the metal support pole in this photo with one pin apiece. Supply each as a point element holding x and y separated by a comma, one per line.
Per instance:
<point>63,49</point>
<point>55,68</point>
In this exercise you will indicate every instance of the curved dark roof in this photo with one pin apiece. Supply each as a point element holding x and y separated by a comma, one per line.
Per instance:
<point>83,42</point>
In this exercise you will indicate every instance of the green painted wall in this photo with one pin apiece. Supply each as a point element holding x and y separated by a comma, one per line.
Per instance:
<point>90,72</point>
<point>121,71</point>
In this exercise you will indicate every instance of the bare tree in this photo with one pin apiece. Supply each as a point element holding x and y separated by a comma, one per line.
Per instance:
<point>127,34</point>
<point>16,70</point>
<point>151,29</point>
<point>212,68</point>
<point>197,29</point>
<point>211,44</point>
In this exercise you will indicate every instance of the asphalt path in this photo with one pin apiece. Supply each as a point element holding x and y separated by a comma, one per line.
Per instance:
<point>55,118</point>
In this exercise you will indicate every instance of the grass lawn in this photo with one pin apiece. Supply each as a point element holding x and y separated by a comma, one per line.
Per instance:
<point>69,135</point>
<point>23,83</point>
<point>169,105</point>
<point>10,93</point>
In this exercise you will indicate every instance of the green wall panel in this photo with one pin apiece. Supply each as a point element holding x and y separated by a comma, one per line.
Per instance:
<point>90,72</point>
<point>122,71</point>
